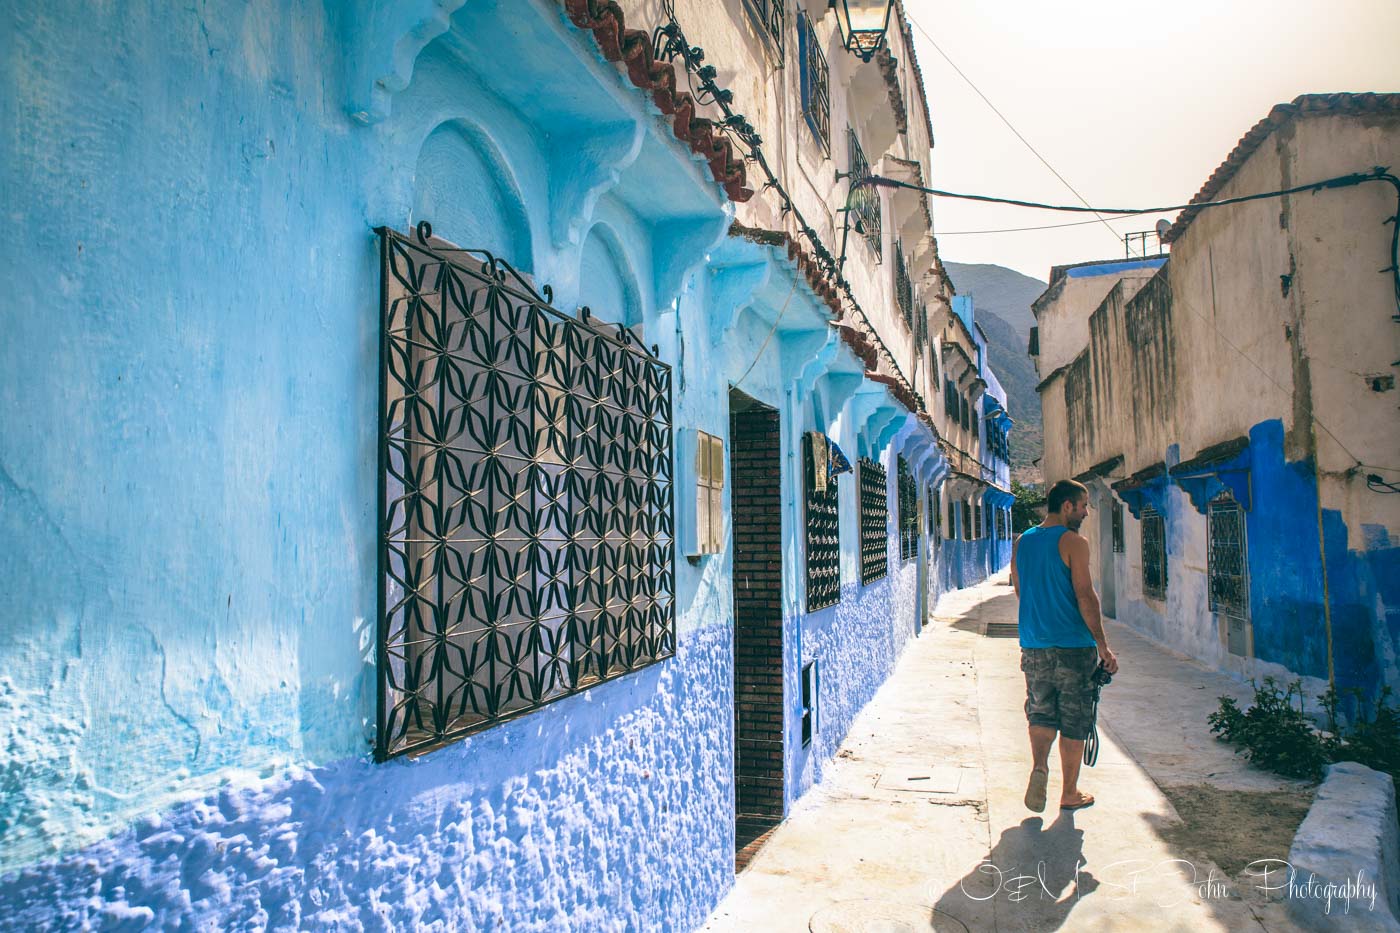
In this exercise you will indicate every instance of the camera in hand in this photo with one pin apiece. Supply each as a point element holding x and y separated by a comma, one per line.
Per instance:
<point>1101,677</point>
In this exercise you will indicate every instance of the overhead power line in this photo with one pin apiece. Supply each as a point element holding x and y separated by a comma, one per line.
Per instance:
<point>1379,173</point>
<point>1072,223</point>
<point>1026,142</point>
<point>1341,181</point>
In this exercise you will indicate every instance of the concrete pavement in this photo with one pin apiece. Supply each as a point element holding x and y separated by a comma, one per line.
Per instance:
<point>920,823</point>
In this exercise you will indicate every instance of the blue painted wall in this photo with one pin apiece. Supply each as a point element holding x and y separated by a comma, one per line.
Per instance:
<point>188,471</point>
<point>1286,592</point>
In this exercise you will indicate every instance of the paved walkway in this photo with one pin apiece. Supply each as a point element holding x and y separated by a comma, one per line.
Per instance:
<point>920,823</point>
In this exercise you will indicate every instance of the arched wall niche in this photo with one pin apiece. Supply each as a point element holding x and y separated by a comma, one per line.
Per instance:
<point>463,188</point>
<point>607,283</point>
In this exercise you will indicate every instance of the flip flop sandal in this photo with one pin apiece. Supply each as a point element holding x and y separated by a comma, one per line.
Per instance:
<point>1078,806</point>
<point>1035,790</point>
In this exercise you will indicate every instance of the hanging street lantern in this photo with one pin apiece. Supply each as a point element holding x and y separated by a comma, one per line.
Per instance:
<point>863,24</point>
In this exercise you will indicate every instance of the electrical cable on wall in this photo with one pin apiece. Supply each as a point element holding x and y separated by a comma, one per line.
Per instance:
<point>668,44</point>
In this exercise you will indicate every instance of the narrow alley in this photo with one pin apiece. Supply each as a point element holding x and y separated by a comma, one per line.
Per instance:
<point>919,824</point>
<point>554,465</point>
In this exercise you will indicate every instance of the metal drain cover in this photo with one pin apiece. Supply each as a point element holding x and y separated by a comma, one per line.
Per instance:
<point>1003,630</point>
<point>868,915</point>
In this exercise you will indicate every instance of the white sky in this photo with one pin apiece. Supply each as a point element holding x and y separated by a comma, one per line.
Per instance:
<point>1135,104</point>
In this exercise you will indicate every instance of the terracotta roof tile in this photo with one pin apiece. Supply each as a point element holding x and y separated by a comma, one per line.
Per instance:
<point>1280,115</point>
<point>633,49</point>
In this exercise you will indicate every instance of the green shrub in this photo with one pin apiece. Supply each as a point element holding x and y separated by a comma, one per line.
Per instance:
<point>1373,738</point>
<point>1277,736</point>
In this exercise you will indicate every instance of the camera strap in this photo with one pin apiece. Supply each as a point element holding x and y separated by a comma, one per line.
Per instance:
<point>1091,744</point>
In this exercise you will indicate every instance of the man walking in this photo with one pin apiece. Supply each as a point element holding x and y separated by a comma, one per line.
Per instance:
<point>1062,639</point>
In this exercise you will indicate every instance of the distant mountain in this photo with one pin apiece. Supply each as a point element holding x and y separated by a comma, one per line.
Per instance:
<point>1002,300</point>
<point>1004,292</point>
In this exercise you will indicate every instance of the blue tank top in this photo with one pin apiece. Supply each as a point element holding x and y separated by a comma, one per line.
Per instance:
<point>1049,616</point>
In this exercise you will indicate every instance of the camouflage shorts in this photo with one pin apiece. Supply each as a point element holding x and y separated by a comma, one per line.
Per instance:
<point>1059,693</point>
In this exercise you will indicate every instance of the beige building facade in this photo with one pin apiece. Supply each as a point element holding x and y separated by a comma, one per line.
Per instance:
<point>1233,407</point>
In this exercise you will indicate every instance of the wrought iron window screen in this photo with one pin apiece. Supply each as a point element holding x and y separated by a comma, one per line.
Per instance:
<point>874,521</point>
<point>770,15</point>
<point>865,201</point>
<point>1226,557</point>
<point>908,511</point>
<point>967,521</point>
<point>526,530</point>
<point>1154,554</point>
<point>903,287</point>
<point>823,536</point>
<point>816,78</point>
<point>1118,546</point>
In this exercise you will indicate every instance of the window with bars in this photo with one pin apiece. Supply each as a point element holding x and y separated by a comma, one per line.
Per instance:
<point>865,201</point>
<point>770,15</point>
<point>816,95</point>
<point>903,287</point>
<point>1154,553</point>
<point>1226,562</point>
<point>967,521</point>
<point>1117,520</point>
<point>525,500</point>
<point>908,511</point>
<point>823,532</point>
<point>935,516</point>
<point>953,519</point>
<point>874,521</point>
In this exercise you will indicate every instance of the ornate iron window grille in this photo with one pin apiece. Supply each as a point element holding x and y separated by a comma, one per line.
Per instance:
<point>816,77</point>
<point>1226,561</point>
<point>1117,513</point>
<point>823,536</point>
<point>865,202</point>
<point>770,15</point>
<point>1154,554</point>
<point>874,521</point>
<point>908,511</point>
<point>525,500</point>
<point>903,287</point>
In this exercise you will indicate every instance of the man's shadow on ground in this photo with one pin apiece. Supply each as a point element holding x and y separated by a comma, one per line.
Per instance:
<point>1031,880</point>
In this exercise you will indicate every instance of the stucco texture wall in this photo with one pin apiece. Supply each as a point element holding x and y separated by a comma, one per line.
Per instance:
<point>188,475</point>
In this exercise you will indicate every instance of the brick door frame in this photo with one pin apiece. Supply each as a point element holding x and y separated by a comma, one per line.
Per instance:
<point>755,465</point>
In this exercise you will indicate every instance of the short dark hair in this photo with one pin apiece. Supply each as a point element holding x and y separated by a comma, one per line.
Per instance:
<point>1066,490</point>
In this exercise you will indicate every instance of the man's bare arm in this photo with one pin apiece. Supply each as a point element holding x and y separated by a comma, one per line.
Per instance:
<point>1015,579</point>
<point>1078,553</point>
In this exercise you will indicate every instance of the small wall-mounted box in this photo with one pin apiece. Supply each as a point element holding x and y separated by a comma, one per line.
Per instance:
<point>699,492</point>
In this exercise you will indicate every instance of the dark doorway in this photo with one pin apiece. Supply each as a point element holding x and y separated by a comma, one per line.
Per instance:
<point>755,468</point>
